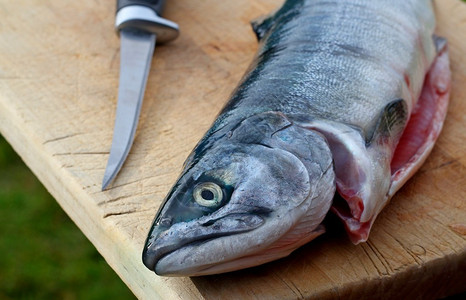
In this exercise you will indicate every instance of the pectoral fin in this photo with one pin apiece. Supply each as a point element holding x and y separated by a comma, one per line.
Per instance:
<point>390,124</point>
<point>369,175</point>
<point>362,166</point>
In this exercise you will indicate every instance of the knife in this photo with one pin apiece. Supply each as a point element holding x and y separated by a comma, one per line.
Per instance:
<point>139,24</point>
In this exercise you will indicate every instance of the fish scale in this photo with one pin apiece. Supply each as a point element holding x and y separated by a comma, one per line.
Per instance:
<point>325,81</point>
<point>313,126</point>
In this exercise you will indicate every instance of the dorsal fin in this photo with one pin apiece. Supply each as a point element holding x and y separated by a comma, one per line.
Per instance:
<point>262,25</point>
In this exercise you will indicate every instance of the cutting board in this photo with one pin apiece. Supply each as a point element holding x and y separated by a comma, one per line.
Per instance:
<point>59,63</point>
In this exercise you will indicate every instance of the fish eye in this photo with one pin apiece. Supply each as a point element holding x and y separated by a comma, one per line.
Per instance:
<point>208,194</point>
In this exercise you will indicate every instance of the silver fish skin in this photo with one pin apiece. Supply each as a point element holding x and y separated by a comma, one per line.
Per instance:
<point>315,122</point>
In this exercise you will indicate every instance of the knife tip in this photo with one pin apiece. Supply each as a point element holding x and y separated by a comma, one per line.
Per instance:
<point>105,182</point>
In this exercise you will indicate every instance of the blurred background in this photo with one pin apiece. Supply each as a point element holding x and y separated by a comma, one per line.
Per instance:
<point>43,255</point>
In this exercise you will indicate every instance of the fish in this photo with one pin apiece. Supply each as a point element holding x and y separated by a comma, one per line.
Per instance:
<point>341,105</point>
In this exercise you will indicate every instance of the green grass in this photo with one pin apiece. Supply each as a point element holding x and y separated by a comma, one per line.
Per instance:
<point>43,255</point>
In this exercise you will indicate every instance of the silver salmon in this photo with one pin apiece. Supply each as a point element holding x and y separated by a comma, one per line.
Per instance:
<point>339,108</point>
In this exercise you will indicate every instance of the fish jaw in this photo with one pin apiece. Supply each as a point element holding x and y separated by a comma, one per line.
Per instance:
<point>228,252</point>
<point>171,242</point>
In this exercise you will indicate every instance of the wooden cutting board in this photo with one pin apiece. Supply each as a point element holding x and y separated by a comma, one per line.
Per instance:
<point>59,65</point>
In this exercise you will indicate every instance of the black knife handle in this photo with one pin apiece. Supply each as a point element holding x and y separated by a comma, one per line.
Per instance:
<point>155,5</point>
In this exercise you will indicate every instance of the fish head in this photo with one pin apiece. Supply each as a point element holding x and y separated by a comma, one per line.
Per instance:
<point>233,207</point>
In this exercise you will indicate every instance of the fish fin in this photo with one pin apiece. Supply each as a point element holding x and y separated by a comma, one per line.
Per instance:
<point>440,43</point>
<point>390,124</point>
<point>262,25</point>
<point>357,231</point>
<point>413,146</point>
<point>425,123</point>
<point>362,169</point>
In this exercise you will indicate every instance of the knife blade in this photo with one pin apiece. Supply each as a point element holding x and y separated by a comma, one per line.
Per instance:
<point>139,24</point>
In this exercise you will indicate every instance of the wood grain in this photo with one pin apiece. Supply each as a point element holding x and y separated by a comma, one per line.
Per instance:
<point>59,65</point>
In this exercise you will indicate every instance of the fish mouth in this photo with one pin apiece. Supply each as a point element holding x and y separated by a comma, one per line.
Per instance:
<point>170,241</point>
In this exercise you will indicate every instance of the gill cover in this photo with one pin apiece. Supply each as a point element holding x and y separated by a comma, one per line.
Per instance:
<point>251,194</point>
